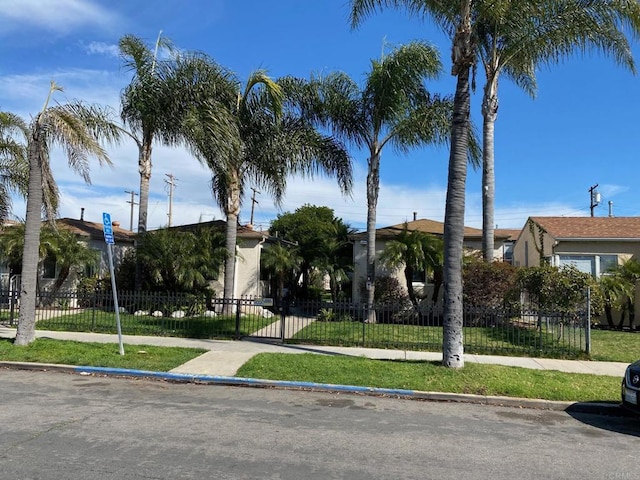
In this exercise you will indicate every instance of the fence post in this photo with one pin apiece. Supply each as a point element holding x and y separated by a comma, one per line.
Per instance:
<point>237,318</point>
<point>13,298</point>
<point>93,309</point>
<point>587,341</point>
<point>283,318</point>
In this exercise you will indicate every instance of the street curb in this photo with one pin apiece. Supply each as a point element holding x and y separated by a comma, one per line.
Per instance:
<point>596,408</point>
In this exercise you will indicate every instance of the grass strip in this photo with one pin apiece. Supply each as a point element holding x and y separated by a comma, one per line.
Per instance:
<point>138,357</point>
<point>474,378</point>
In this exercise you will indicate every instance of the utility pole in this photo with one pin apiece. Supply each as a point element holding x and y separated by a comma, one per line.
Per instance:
<point>253,203</point>
<point>595,197</point>
<point>132,202</point>
<point>172,185</point>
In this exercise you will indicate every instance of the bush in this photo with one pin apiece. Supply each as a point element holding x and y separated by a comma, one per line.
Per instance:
<point>560,290</point>
<point>387,290</point>
<point>490,285</point>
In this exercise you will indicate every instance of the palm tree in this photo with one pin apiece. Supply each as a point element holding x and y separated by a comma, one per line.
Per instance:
<point>515,38</point>
<point>14,167</point>
<point>392,108</point>
<point>144,109</point>
<point>455,18</point>
<point>160,94</point>
<point>78,129</point>
<point>282,261</point>
<point>619,287</point>
<point>417,252</point>
<point>70,254</point>
<point>266,142</point>
<point>181,261</point>
<point>335,256</point>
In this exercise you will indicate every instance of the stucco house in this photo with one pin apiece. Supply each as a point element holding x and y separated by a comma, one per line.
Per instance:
<point>591,244</point>
<point>91,234</point>
<point>472,244</point>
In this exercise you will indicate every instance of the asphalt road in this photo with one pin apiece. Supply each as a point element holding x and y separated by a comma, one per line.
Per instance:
<point>62,426</point>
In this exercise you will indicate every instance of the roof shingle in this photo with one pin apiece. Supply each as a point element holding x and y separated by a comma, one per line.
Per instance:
<point>590,227</point>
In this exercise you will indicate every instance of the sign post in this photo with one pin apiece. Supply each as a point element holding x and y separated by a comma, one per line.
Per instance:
<point>109,240</point>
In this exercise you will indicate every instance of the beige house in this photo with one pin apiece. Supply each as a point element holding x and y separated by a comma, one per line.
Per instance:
<point>472,245</point>
<point>591,244</point>
<point>92,235</point>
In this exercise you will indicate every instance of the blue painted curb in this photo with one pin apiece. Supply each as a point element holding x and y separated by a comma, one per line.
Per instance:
<point>185,377</point>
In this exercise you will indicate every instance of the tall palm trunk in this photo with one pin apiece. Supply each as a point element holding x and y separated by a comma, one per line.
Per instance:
<point>232,213</point>
<point>489,114</point>
<point>144,169</point>
<point>31,252</point>
<point>463,55</point>
<point>373,188</point>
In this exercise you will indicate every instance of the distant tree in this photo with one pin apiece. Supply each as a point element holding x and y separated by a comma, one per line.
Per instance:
<point>311,227</point>
<point>78,129</point>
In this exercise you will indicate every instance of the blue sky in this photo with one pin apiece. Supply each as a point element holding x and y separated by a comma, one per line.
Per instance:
<point>581,129</point>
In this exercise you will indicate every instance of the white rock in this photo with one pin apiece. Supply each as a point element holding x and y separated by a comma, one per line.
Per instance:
<point>209,313</point>
<point>177,314</point>
<point>141,313</point>
<point>157,313</point>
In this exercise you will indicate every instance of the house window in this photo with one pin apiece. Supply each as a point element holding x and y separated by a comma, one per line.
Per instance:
<point>584,263</point>
<point>608,263</point>
<point>594,265</point>
<point>49,267</point>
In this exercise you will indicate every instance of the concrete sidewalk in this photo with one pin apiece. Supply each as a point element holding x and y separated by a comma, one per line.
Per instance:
<point>224,358</point>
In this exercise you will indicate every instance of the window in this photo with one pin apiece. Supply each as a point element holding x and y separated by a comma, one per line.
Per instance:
<point>594,265</point>
<point>584,263</point>
<point>608,263</point>
<point>49,267</point>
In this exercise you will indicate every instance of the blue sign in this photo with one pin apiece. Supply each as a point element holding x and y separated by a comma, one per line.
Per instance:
<point>108,229</point>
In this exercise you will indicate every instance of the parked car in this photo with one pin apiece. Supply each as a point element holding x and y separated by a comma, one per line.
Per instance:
<point>631,387</point>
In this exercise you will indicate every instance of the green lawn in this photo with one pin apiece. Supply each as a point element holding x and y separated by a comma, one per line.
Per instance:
<point>147,357</point>
<point>474,378</point>
<point>615,346</point>
<point>189,327</point>
<point>506,340</point>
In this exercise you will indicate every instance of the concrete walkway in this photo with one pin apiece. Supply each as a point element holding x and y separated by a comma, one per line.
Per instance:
<point>224,358</point>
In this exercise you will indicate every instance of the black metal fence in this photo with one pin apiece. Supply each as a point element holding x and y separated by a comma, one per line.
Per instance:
<point>521,330</point>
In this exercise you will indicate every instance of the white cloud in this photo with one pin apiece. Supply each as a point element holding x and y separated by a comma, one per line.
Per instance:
<point>60,16</point>
<point>609,190</point>
<point>101,48</point>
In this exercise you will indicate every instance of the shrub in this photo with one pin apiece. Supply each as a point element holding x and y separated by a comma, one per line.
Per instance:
<point>490,285</point>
